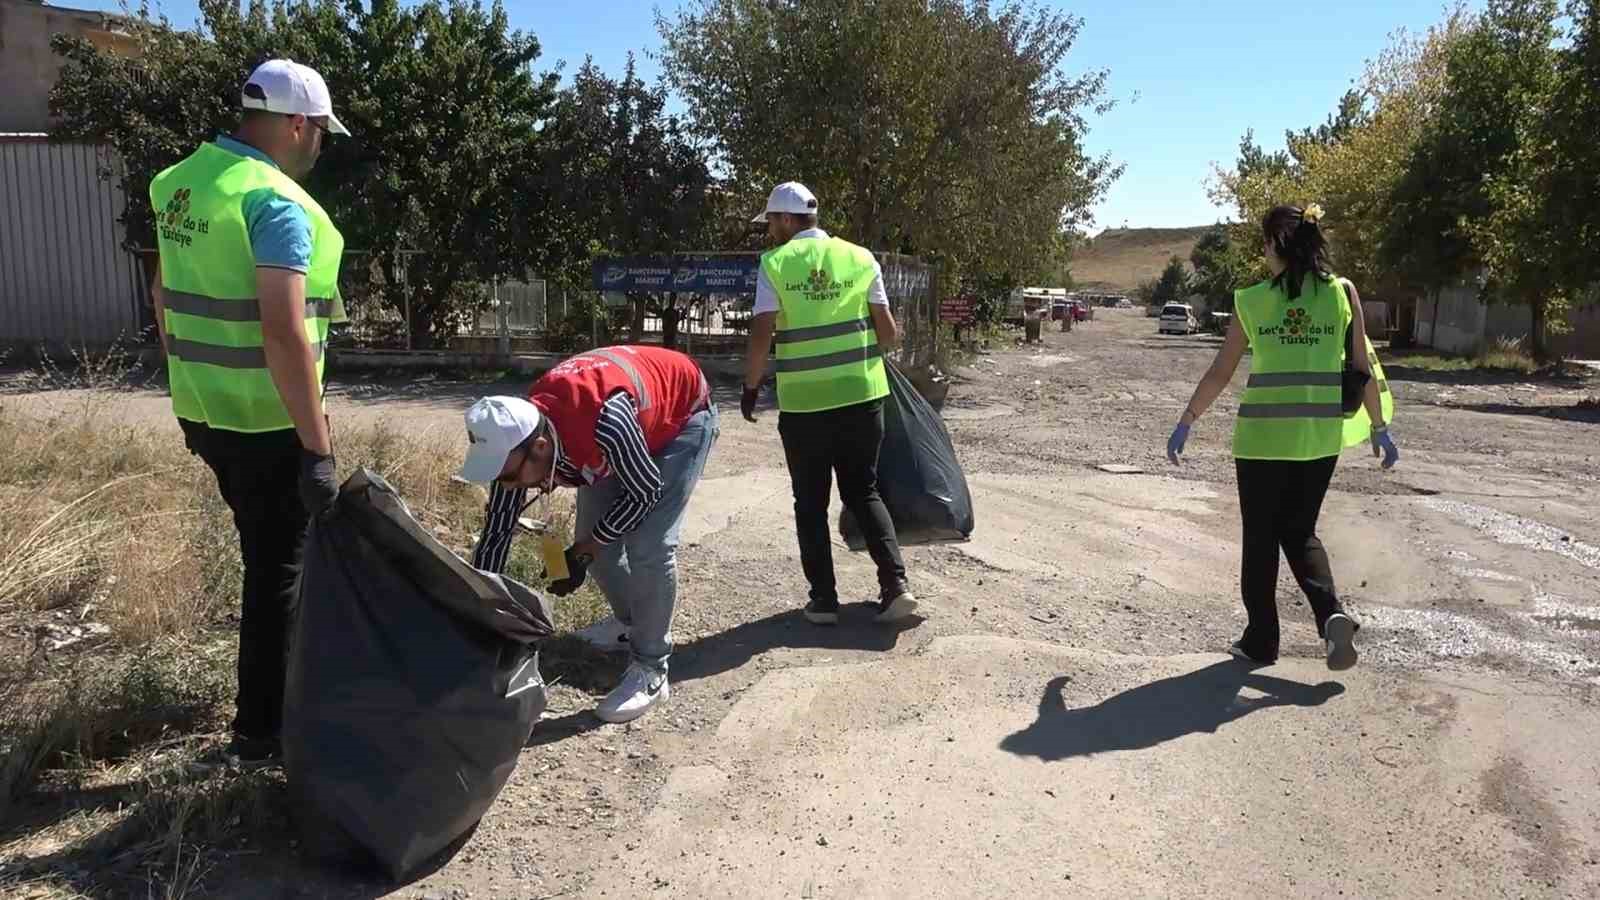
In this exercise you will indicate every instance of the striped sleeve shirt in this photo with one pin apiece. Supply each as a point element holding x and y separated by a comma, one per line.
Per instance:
<point>621,439</point>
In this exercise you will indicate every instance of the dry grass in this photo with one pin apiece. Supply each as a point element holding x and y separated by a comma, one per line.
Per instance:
<point>1120,258</point>
<point>1504,355</point>
<point>119,528</point>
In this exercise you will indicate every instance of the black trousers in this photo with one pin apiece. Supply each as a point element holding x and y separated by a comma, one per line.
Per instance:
<point>259,476</point>
<point>844,442</point>
<point>1280,501</point>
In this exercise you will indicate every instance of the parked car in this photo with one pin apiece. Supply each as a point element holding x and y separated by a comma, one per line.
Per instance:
<point>1178,318</point>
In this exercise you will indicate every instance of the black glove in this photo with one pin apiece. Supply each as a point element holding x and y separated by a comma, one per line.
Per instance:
<point>318,489</point>
<point>577,571</point>
<point>747,403</point>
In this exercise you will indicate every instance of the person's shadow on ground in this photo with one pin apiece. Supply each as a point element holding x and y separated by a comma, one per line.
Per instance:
<point>581,666</point>
<point>727,650</point>
<point>1151,714</point>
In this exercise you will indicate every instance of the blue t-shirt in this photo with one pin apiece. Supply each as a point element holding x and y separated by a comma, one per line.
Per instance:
<point>280,229</point>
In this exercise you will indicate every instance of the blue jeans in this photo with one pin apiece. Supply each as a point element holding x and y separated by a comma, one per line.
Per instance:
<point>638,574</point>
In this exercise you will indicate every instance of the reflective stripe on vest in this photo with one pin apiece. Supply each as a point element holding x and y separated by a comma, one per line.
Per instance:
<point>827,349</point>
<point>1291,411</point>
<point>216,362</point>
<point>818,332</point>
<point>642,392</point>
<point>248,310</point>
<point>225,357</point>
<point>828,361</point>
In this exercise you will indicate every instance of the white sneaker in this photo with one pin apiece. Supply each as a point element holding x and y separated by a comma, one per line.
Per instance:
<point>607,635</point>
<point>641,689</point>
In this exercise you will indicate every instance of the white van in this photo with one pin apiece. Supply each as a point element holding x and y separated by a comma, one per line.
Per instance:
<point>1178,318</point>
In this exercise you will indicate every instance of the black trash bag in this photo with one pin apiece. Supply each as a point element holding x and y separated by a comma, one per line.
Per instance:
<point>918,476</point>
<point>413,685</point>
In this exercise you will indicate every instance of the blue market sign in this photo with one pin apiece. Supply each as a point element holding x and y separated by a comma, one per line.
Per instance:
<point>682,274</point>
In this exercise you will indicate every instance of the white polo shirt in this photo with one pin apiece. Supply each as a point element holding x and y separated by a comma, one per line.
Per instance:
<point>767,295</point>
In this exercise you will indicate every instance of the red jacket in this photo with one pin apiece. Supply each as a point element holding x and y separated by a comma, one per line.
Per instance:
<point>667,387</point>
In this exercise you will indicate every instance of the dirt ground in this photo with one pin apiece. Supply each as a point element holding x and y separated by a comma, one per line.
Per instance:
<point>1063,721</point>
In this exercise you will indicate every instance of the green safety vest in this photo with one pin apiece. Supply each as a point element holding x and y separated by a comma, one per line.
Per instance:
<point>828,354</point>
<point>1291,408</point>
<point>215,361</point>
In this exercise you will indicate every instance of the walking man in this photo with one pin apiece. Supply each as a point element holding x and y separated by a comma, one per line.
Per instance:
<point>823,300</point>
<point>630,428</point>
<point>246,286</point>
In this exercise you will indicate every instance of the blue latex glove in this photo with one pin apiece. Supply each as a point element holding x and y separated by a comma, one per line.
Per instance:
<point>1180,436</point>
<point>1383,445</point>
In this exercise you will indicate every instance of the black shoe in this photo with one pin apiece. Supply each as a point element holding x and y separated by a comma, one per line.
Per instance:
<point>253,753</point>
<point>818,612</point>
<point>1238,652</point>
<point>1339,633</point>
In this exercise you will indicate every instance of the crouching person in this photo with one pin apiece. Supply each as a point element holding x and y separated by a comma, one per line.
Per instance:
<point>630,428</point>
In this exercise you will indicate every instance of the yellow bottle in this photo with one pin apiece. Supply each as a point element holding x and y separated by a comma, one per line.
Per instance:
<point>555,557</point>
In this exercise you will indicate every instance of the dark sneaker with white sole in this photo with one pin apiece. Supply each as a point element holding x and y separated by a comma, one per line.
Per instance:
<point>244,754</point>
<point>896,609</point>
<point>1237,651</point>
<point>818,612</point>
<point>1339,632</point>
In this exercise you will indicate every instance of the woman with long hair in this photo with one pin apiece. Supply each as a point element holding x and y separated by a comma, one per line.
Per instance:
<point>1292,425</point>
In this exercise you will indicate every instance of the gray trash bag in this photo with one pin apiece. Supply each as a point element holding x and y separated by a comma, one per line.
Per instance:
<point>919,477</point>
<point>413,685</point>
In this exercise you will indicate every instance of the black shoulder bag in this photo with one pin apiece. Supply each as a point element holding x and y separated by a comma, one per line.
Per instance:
<point>1354,381</point>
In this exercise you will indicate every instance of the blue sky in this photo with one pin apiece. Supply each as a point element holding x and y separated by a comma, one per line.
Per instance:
<point>1202,74</point>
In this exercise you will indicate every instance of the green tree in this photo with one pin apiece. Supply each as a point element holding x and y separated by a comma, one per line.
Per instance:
<point>441,184</point>
<point>1173,285</point>
<point>633,178</point>
<point>1353,113</point>
<point>1223,265</point>
<point>943,128</point>
<point>1474,196</point>
<point>1354,162</point>
<point>1570,181</point>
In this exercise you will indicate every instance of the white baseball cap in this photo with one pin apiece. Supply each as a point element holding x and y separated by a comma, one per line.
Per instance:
<point>790,197</point>
<point>495,426</point>
<point>283,86</point>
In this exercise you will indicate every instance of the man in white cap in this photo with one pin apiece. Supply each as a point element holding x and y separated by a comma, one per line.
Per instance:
<point>823,300</point>
<point>246,286</point>
<point>630,428</point>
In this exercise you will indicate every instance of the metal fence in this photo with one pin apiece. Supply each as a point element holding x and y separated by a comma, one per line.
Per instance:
<point>64,277</point>
<point>913,289</point>
<point>522,303</point>
<point>517,316</point>
<point>377,324</point>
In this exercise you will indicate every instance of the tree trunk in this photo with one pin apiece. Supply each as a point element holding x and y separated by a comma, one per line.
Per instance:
<point>1538,337</point>
<point>669,327</point>
<point>1433,329</point>
<point>636,326</point>
<point>420,322</point>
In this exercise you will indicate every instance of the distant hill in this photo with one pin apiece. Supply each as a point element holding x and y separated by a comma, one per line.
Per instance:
<point>1120,258</point>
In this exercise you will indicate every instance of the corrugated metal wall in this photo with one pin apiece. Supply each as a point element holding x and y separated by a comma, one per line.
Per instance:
<point>64,277</point>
